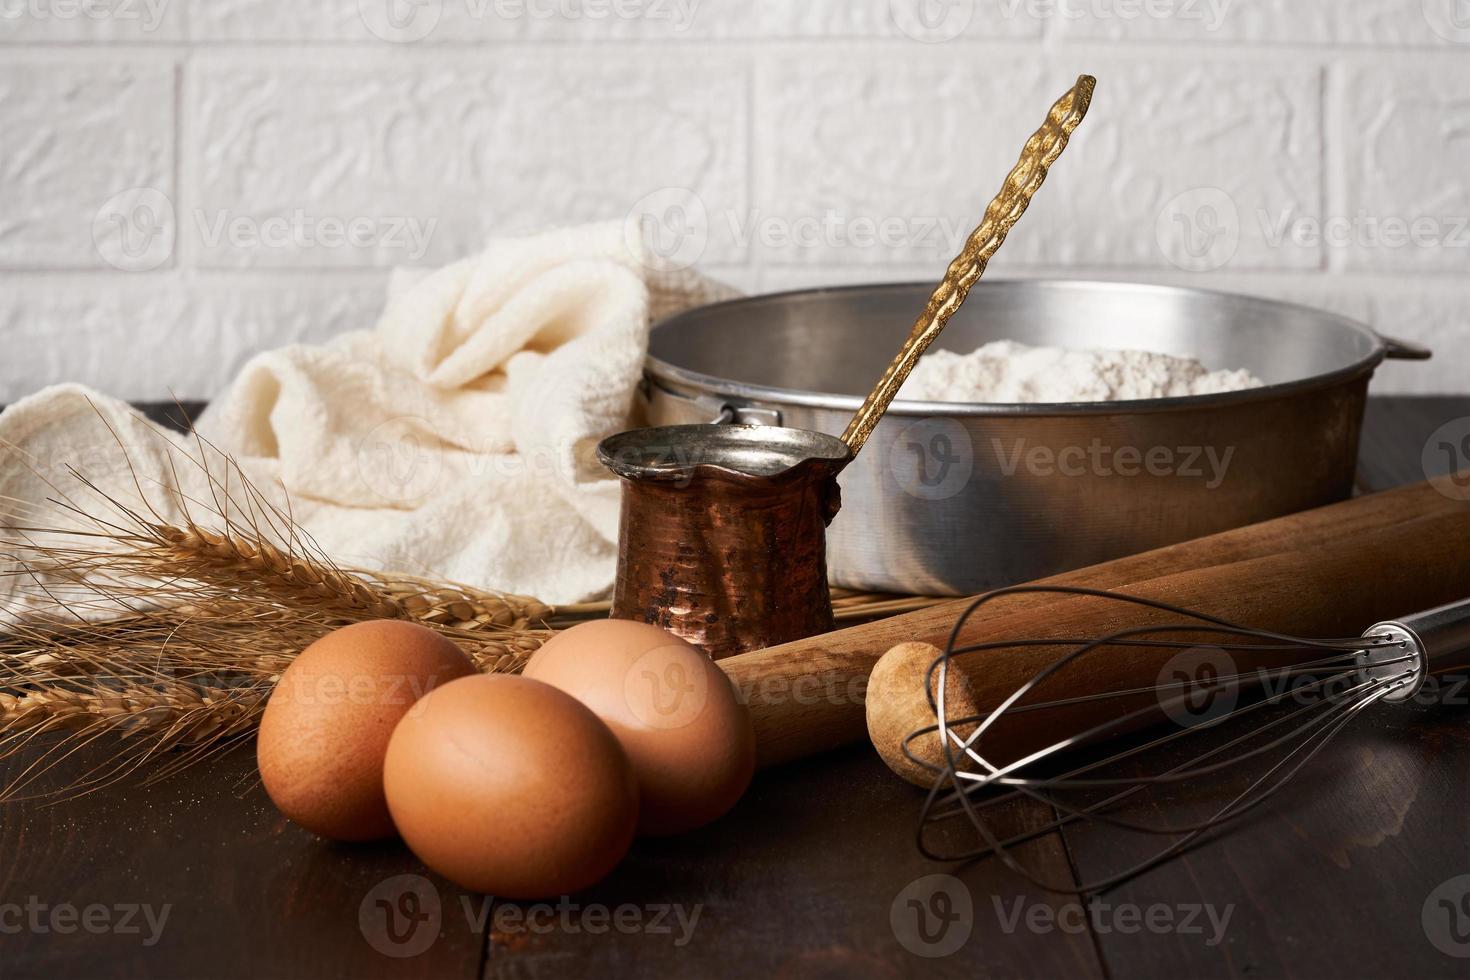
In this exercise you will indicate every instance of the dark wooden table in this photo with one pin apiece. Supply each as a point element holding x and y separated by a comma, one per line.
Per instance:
<point>1349,873</point>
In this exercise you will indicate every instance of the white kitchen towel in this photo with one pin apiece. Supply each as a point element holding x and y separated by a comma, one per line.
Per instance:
<point>455,440</point>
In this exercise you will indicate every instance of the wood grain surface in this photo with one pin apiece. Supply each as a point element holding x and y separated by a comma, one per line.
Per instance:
<point>814,874</point>
<point>1308,574</point>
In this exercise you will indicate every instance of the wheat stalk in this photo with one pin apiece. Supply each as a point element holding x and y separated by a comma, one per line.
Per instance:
<point>196,553</point>
<point>155,624</point>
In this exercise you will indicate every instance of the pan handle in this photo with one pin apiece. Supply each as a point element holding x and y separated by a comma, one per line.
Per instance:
<point>706,408</point>
<point>1403,350</point>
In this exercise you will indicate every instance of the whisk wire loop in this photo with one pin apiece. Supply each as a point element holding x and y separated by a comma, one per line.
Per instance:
<point>967,783</point>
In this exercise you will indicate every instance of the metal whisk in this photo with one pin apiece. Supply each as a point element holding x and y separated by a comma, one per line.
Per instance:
<point>1333,680</point>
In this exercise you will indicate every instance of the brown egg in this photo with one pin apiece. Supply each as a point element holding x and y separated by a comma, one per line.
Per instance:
<point>509,787</point>
<point>326,727</point>
<point>675,713</point>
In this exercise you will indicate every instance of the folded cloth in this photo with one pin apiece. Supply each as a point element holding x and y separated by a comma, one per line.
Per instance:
<point>455,440</point>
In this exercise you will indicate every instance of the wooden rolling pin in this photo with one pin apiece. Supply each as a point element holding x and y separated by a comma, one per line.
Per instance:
<point>1331,571</point>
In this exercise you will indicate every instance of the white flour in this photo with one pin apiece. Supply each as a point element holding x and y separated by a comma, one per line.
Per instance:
<point>1006,371</point>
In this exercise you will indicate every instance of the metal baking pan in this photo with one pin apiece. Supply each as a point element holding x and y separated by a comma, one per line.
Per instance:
<point>953,499</point>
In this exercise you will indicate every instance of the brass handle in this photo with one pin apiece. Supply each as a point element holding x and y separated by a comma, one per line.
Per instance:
<point>1037,157</point>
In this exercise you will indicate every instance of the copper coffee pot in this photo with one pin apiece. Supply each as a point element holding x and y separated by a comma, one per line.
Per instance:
<point>723,531</point>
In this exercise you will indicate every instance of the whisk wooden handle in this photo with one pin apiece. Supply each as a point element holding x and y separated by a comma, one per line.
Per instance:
<point>1334,570</point>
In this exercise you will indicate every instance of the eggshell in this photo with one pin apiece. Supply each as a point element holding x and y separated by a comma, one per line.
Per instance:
<point>326,727</point>
<point>509,787</point>
<point>689,738</point>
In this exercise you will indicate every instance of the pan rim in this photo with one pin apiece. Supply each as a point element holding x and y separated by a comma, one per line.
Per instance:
<point>663,373</point>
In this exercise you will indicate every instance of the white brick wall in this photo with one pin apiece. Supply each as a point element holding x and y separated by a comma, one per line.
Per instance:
<point>184,182</point>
